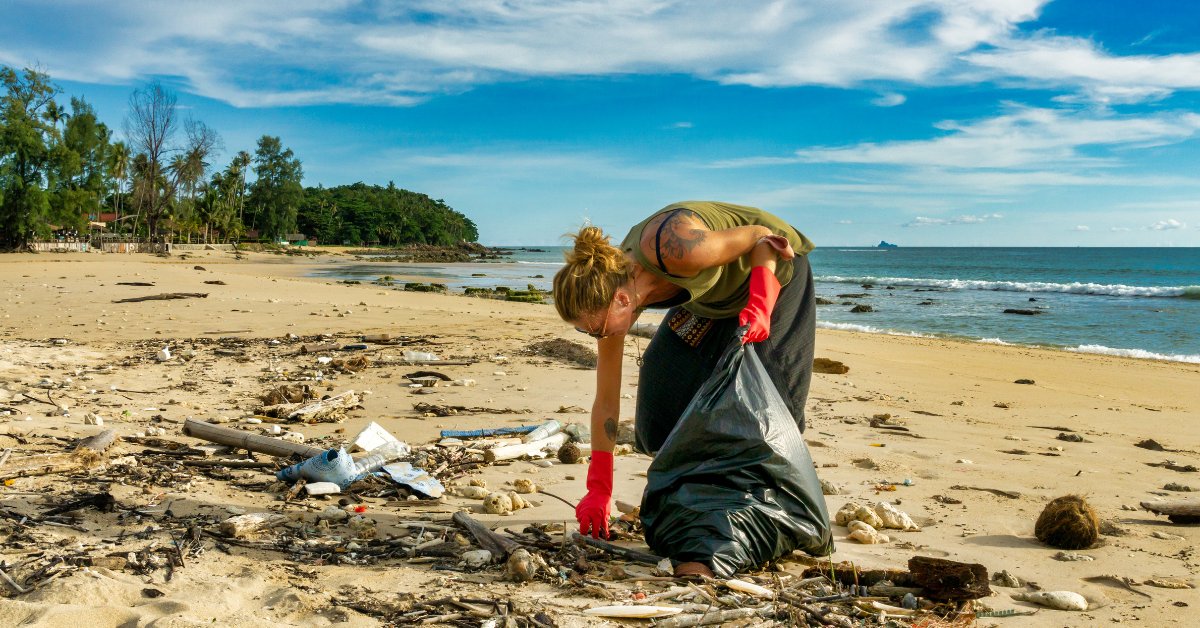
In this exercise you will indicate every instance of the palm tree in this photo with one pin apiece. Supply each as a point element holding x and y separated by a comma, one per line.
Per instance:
<point>119,171</point>
<point>54,114</point>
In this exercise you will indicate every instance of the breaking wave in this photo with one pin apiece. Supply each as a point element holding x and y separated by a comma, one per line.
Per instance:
<point>867,329</point>
<point>1115,290</point>
<point>1136,353</point>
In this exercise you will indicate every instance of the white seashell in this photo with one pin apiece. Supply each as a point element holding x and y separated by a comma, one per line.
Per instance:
<point>742,586</point>
<point>633,612</point>
<point>664,568</point>
<point>1059,600</point>
<point>893,518</point>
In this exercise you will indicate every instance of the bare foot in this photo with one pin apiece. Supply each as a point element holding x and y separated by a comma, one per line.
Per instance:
<point>682,570</point>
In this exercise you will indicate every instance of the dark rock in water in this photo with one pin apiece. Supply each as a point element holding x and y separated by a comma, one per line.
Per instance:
<point>824,301</point>
<point>847,302</point>
<point>1024,381</point>
<point>868,286</point>
<point>854,295</point>
<point>884,244</point>
<point>1031,299</point>
<point>889,287</point>
<point>926,303</point>
<point>1013,310</point>
<point>1151,444</point>
<point>859,309</point>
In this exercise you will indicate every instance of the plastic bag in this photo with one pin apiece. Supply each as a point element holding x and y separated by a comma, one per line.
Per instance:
<point>733,485</point>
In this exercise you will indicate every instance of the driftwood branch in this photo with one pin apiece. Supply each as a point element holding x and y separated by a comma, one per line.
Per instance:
<point>250,442</point>
<point>616,550</point>
<point>167,296</point>
<point>1177,510</point>
<point>498,545</point>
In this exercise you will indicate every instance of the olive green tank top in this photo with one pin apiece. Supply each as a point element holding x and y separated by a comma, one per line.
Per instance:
<point>719,292</point>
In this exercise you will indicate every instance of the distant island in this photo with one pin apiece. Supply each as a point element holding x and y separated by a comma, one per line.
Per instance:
<point>884,244</point>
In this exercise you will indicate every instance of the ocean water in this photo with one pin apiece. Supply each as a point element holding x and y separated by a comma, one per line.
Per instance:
<point>1137,302</point>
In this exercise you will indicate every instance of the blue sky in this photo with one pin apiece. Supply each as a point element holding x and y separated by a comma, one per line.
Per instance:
<point>936,122</point>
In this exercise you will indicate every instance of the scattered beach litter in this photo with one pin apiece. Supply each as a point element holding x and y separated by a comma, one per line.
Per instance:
<point>339,507</point>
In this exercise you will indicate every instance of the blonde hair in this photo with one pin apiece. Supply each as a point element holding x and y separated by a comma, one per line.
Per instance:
<point>595,269</point>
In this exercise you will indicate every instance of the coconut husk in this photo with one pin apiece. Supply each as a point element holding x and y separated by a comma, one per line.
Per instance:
<point>1068,522</point>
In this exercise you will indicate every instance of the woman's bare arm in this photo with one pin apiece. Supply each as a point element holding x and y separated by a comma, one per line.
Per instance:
<point>688,246</point>
<point>606,408</point>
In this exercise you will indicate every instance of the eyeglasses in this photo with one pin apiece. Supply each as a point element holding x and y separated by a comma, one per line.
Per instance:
<point>603,330</point>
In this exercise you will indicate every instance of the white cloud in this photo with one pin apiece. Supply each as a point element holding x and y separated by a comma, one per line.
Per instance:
<point>890,99</point>
<point>968,219</point>
<point>1105,78</point>
<point>682,125</point>
<point>276,52</point>
<point>845,222</point>
<point>1168,224</point>
<point>1081,228</point>
<point>1024,137</point>
<point>1118,229</point>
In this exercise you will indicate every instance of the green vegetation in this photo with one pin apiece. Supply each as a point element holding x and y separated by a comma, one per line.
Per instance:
<point>60,169</point>
<point>373,214</point>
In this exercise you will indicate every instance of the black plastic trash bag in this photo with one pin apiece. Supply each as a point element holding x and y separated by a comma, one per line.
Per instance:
<point>733,485</point>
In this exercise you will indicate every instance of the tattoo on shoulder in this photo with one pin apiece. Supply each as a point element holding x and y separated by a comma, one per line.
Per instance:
<point>610,428</point>
<point>680,235</point>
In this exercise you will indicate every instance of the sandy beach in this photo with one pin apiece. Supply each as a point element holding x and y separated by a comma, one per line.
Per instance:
<point>972,436</point>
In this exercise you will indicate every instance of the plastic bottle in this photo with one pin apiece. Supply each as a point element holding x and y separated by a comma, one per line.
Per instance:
<point>380,456</point>
<point>547,429</point>
<point>578,433</point>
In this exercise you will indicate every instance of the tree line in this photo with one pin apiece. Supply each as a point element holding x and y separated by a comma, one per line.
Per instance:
<point>61,167</point>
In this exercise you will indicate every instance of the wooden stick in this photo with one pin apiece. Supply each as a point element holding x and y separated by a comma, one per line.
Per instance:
<point>708,619</point>
<point>1177,510</point>
<point>499,546</point>
<point>616,550</point>
<point>250,442</point>
<point>13,583</point>
<point>4,456</point>
<point>45,465</point>
<point>232,464</point>
<point>318,410</point>
<point>165,297</point>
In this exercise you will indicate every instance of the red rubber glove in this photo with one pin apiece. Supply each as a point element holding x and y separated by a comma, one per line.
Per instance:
<point>764,291</point>
<point>592,511</point>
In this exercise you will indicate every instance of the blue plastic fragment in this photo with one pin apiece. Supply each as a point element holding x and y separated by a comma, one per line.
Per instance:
<point>488,431</point>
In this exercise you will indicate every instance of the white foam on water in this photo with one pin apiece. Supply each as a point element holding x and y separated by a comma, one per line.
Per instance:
<point>1136,353</point>
<point>867,329</point>
<point>1097,349</point>
<point>1097,289</point>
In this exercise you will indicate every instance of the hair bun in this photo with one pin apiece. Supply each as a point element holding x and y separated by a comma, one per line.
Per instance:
<point>593,250</point>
